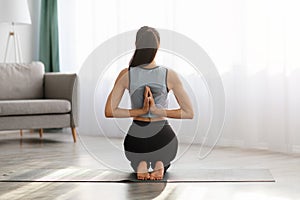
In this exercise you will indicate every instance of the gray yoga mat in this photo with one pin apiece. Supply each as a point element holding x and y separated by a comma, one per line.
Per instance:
<point>172,176</point>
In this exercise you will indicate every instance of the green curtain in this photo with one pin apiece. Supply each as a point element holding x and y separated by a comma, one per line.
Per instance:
<point>49,44</point>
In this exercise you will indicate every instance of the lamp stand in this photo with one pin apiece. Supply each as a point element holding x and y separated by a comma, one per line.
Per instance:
<point>15,38</point>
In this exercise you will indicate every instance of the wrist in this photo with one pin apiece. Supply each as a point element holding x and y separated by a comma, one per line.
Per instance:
<point>157,111</point>
<point>137,112</point>
<point>143,111</point>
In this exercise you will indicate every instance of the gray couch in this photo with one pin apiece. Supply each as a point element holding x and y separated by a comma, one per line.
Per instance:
<point>32,99</point>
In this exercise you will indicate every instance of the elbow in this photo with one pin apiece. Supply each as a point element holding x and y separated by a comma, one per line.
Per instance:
<point>190,114</point>
<point>108,113</point>
<point>187,114</point>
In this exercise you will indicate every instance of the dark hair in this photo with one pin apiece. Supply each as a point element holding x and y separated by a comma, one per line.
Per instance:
<point>147,42</point>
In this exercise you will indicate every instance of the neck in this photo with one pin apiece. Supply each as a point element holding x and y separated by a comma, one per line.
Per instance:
<point>151,65</point>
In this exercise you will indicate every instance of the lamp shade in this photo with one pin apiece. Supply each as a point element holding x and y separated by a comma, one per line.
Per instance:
<point>14,11</point>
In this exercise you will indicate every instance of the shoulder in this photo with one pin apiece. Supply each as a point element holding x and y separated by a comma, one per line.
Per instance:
<point>123,77</point>
<point>173,79</point>
<point>124,71</point>
<point>172,75</point>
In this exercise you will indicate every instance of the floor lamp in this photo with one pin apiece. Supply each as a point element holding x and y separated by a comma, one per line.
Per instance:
<point>14,12</point>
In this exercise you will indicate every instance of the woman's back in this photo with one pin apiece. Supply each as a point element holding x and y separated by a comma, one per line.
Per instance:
<point>156,79</point>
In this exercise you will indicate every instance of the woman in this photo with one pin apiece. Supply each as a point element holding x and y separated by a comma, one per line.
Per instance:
<point>150,139</point>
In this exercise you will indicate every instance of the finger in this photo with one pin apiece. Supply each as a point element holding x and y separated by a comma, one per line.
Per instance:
<point>150,93</point>
<point>148,88</point>
<point>146,91</point>
<point>151,102</point>
<point>146,102</point>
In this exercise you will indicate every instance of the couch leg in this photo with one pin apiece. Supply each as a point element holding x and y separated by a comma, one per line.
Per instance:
<point>21,132</point>
<point>74,134</point>
<point>41,131</point>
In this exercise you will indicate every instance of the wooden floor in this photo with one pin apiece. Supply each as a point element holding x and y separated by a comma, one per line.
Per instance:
<point>57,150</point>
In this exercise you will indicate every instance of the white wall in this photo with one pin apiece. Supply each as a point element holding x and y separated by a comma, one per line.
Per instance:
<point>28,36</point>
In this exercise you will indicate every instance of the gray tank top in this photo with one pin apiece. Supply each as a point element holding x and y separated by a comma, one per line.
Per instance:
<point>156,79</point>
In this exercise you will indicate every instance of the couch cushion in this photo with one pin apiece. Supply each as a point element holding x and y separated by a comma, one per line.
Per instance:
<point>21,81</point>
<point>34,107</point>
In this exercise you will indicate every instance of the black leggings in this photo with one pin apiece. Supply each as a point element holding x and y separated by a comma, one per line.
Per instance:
<point>150,142</point>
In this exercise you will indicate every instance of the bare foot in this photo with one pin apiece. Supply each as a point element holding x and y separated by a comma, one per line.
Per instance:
<point>142,171</point>
<point>158,172</point>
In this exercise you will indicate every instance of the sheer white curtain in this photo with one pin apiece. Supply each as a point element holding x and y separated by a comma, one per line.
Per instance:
<point>263,96</point>
<point>255,45</point>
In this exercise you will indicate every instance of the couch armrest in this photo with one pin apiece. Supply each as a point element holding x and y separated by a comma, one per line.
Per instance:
<point>63,86</point>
